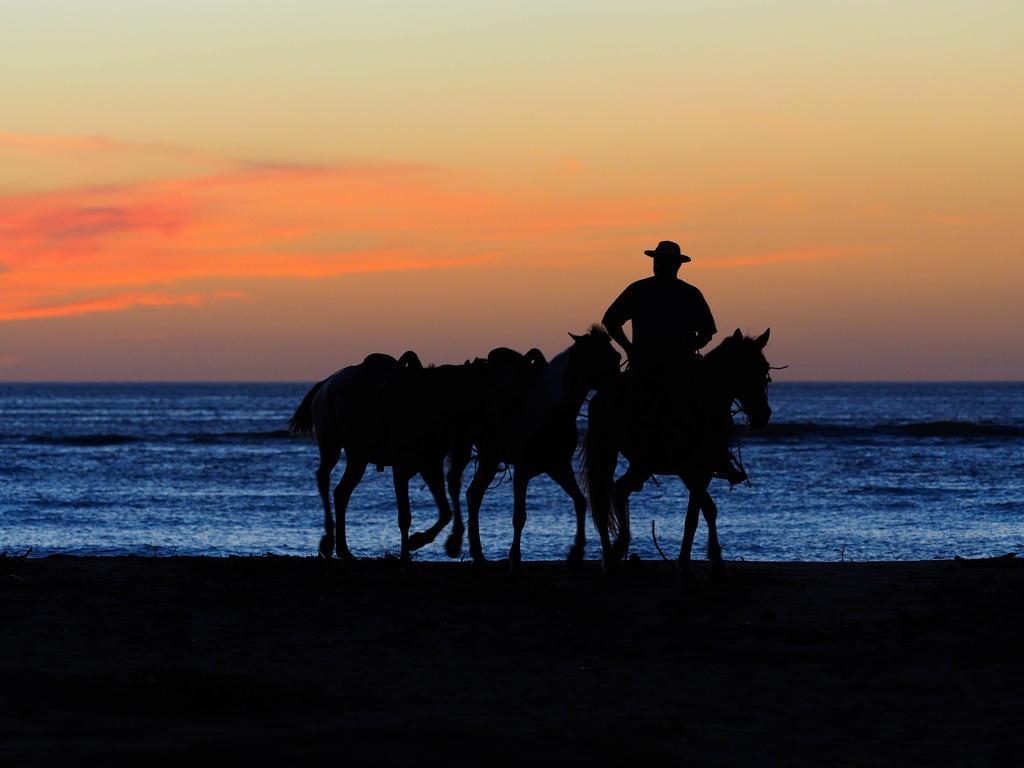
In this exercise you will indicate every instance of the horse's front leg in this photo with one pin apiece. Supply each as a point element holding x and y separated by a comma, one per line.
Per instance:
<point>520,480</point>
<point>433,476</point>
<point>710,510</point>
<point>689,531</point>
<point>566,480</point>
<point>401,480</point>
<point>459,459</point>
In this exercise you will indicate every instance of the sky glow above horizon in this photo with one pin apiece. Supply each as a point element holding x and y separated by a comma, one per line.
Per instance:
<point>232,191</point>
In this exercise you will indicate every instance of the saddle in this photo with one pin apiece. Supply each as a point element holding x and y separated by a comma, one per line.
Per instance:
<point>510,377</point>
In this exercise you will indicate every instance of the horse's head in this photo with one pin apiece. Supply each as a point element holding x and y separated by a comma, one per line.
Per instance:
<point>745,372</point>
<point>597,359</point>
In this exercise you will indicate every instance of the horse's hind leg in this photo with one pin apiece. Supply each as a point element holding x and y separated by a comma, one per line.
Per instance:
<point>566,480</point>
<point>329,456</point>
<point>354,469</point>
<point>710,510</point>
<point>433,476</point>
<point>459,461</point>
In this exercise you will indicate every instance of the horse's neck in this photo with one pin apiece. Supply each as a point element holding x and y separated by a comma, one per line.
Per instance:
<point>717,390</point>
<point>568,385</point>
<point>551,384</point>
<point>549,397</point>
<point>575,385</point>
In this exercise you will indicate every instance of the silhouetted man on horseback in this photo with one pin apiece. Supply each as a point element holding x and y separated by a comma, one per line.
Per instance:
<point>671,319</point>
<point>671,323</point>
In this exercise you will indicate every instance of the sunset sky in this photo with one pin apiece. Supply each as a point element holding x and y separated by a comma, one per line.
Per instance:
<point>255,190</point>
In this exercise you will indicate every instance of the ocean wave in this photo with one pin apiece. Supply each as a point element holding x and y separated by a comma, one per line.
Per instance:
<point>83,441</point>
<point>109,439</point>
<point>791,431</point>
<point>963,430</point>
<point>233,437</point>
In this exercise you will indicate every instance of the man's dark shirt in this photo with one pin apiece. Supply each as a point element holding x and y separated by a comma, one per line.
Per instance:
<point>668,316</point>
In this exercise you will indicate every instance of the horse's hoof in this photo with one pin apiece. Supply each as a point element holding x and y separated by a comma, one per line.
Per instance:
<point>417,540</point>
<point>719,573</point>
<point>479,563</point>
<point>453,546</point>
<point>619,549</point>
<point>611,565</point>
<point>326,546</point>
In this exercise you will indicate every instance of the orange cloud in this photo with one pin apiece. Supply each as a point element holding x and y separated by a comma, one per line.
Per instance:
<point>110,304</point>
<point>105,248</point>
<point>37,144</point>
<point>57,144</point>
<point>108,248</point>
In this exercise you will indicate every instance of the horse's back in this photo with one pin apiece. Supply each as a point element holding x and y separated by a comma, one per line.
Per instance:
<point>510,378</point>
<point>346,410</point>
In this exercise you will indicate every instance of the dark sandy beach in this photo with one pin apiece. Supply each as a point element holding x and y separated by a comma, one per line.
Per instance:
<point>282,659</point>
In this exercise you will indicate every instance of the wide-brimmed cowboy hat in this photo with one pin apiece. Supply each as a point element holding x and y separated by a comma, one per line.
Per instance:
<point>668,248</point>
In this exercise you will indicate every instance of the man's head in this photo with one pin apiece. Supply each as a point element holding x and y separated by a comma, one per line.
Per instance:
<point>667,258</point>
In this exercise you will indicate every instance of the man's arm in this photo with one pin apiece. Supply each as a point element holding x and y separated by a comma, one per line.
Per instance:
<point>619,336</point>
<point>706,325</point>
<point>613,320</point>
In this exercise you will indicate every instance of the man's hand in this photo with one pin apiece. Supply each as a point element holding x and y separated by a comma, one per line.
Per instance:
<point>619,336</point>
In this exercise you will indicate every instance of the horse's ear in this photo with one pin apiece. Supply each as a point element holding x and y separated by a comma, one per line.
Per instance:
<point>762,340</point>
<point>738,335</point>
<point>574,337</point>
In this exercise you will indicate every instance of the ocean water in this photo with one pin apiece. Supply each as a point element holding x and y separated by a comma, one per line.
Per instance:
<point>845,471</point>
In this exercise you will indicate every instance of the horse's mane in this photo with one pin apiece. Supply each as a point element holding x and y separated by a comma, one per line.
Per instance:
<point>728,344</point>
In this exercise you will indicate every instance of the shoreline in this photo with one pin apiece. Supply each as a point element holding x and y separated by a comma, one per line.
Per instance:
<point>277,658</point>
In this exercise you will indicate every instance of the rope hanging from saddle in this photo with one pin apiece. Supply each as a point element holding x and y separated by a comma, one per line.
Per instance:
<point>736,442</point>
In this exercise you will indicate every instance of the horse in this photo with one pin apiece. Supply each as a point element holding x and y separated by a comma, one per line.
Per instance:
<point>387,412</point>
<point>690,447</point>
<point>530,425</point>
<point>508,375</point>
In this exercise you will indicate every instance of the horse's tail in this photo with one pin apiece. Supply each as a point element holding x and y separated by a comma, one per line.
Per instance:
<point>600,457</point>
<point>301,422</point>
